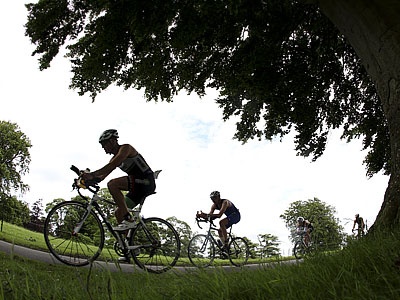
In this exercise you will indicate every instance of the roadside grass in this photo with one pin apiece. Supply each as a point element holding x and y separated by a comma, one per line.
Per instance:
<point>365,269</point>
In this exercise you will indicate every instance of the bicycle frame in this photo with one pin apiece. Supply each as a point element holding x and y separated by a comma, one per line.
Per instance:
<point>210,235</point>
<point>93,204</point>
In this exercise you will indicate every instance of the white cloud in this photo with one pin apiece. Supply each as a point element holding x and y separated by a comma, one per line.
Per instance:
<point>187,139</point>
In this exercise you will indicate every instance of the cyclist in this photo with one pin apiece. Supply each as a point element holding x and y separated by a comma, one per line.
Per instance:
<point>360,225</point>
<point>224,206</point>
<point>305,226</point>
<point>139,181</point>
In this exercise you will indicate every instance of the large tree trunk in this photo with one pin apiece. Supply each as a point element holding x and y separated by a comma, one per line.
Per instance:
<point>372,27</point>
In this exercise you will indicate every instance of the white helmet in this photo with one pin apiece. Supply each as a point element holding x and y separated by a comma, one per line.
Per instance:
<point>300,219</point>
<point>108,134</point>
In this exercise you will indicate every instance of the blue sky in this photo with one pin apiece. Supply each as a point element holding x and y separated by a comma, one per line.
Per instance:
<point>187,139</point>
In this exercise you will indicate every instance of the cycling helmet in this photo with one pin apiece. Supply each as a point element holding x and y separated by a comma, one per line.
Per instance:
<point>108,134</point>
<point>214,194</point>
<point>300,219</point>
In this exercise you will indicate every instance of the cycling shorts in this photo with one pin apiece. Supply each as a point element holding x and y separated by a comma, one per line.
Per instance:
<point>139,189</point>
<point>233,218</point>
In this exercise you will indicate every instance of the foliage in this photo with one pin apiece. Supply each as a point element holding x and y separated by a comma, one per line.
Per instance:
<point>36,217</point>
<point>268,245</point>
<point>37,210</point>
<point>279,65</point>
<point>53,203</point>
<point>184,232</point>
<point>322,217</point>
<point>14,211</point>
<point>14,158</point>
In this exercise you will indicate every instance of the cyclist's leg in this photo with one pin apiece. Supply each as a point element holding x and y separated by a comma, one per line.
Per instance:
<point>223,235</point>
<point>231,219</point>
<point>115,187</point>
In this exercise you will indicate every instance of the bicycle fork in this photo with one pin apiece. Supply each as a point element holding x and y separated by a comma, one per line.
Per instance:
<point>78,226</point>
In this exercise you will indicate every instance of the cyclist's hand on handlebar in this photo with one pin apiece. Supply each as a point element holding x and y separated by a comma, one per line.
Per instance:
<point>89,178</point>
<point>200,214</point>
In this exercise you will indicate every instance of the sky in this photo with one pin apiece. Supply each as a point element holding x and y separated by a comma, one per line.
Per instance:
<point>186,139</point>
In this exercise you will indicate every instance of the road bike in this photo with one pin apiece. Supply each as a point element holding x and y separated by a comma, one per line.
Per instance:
<point>74,233</point>
<point>301,248</point>
<point>202,247</point>
<point>319,243</point>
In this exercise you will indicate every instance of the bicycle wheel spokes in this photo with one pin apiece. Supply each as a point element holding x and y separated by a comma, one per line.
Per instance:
<point>201,251</point>
<point>159,245</point>
<point>238,251</point>
<point>77,249</point>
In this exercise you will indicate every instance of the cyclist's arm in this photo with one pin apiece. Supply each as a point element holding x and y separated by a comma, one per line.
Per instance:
<point>124,152</point>
<point>224,206</point>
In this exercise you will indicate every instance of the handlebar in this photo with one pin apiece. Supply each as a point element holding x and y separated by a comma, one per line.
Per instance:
<point>202,220</point>
<point>91,185</point>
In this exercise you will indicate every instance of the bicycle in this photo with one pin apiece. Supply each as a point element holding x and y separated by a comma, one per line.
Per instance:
<point>358,233</point>
<point>201,248</point>
<point>301,248</point>
<point>319,243</point>
<point>75,235</point>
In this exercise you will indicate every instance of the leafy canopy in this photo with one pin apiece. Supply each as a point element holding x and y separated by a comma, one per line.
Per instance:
<point>321,215</point>
<point>279,65</point>
<point>14,158</point>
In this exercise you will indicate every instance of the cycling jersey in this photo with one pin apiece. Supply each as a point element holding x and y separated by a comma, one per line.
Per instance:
<point>136,166</point>
<point>141,181</point>
<point>232,213</point>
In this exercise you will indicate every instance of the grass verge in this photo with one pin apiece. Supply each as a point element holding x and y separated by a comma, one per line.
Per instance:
<point>365,269</point>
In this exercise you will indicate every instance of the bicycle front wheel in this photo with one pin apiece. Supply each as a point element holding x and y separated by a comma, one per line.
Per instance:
<point>158,245</point>
<point>201,251</point>
<point>68,246</point>
<point>238,251</point>
<point>299,249</point>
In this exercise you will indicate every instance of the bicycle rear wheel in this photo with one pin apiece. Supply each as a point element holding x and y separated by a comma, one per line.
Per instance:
<point>69,247</point>
<point>299,249</point>
<point>238,251</point>
<point>159,245</point>
<point>201,251</point>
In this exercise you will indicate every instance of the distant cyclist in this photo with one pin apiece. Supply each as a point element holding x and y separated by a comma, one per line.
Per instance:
<point>139,181</point>
<point>359,221</point>
<point>306,227</point>
<point>224,206</point>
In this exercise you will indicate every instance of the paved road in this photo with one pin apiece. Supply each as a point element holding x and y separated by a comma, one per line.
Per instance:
<point>46,257</point>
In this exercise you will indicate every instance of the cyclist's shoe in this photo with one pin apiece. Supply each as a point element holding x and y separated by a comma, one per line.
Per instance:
<point>224,255</point>
<point>123,259</point>
<point>125,225</point>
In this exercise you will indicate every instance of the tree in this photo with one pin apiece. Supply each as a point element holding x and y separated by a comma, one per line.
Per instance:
<point>269,245</point>
<point>279,65</point>
<point>36,216</point>
<point>37,210</point>
<point>184,232</point>
<point>322,217</point>
<point>14,158</point>
<point>14,162</point>
<point>15,211</point>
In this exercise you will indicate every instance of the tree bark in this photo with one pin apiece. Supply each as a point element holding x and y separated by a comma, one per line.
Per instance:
<point>372,27</point>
